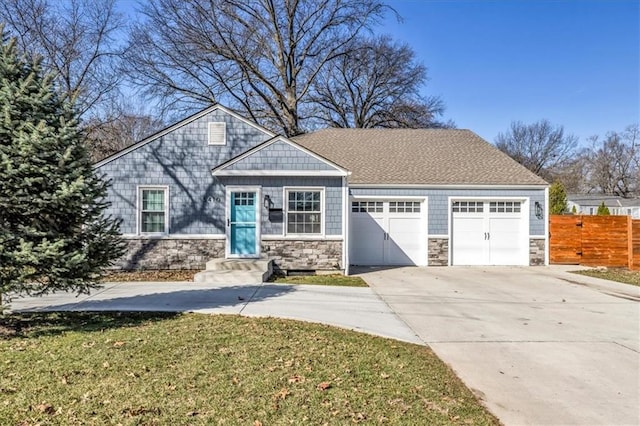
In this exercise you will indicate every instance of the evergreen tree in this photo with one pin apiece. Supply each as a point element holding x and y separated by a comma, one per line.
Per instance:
<point>53,233</point>
<point>603,210</point>
<point>557,198</point>
<point>574,210</point>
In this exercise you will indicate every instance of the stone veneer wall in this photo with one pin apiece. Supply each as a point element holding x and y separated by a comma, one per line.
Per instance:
<point>536,251</point>
<point>438,251</point>
<point>321,255</point>
<point>145,253</point>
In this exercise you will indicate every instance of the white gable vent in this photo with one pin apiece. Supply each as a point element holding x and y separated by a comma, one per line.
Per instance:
<point>217,133</point>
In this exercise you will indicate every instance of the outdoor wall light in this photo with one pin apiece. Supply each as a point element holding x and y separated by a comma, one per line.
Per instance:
<point>267,202</point>
<point>539,211</point>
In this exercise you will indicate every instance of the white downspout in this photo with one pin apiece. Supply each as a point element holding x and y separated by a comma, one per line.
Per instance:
<point>345,225</point>
<point>546,226</point>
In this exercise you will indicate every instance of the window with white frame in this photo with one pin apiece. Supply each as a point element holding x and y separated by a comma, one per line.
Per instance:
<point>304,211</point>
<point>153,210</point>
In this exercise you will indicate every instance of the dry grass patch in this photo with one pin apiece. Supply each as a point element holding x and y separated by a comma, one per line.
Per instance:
<point>614,274</point>
<point>149,275</point>
<point>152,369</point>
<point>332,279</point>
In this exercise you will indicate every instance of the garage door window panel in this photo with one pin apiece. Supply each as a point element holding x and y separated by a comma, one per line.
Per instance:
<point>468,207</point>
<point>367,207</point>
<point>304,212</point>
<point>504,207</point>
<point>404,207</point>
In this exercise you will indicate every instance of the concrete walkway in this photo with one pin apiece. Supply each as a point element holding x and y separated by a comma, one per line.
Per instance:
<point>539,345</point>
<point>353,308</point>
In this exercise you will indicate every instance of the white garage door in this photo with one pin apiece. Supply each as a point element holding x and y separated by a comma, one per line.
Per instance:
<point>387,233</point>
<point>489,233</point>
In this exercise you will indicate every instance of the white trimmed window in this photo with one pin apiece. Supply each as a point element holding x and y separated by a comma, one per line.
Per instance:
<point>304,211</point>
<point>217,133</point>
<point>153,210</point>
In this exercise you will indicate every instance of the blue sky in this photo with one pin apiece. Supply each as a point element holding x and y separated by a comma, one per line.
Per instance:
<point>575,63</point>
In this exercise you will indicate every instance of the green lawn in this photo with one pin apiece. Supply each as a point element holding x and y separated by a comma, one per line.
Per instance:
<point>614,274</point>
<point>164,369</point>
<point>333,279</point>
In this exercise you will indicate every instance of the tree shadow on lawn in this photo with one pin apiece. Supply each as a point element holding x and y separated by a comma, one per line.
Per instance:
<point>36,324</point>
<point>105,312</point>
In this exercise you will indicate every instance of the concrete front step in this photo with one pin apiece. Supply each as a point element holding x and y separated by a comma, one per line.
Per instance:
<point>238,265</point>
<point>231,277</point>
<point>235,271</point>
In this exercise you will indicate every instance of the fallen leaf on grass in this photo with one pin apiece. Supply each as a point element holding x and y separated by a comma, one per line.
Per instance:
<point>45,408</point>
<point>324,386</point>
<point>359,417</point>
<point>282,394</point>
<point>118,344</point>
<point>296,379</point>
<point>257,423</point>
<point>139,411</point>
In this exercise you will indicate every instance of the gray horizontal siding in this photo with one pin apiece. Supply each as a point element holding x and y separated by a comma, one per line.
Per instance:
<point>280,156</point>
<point>438,208</point>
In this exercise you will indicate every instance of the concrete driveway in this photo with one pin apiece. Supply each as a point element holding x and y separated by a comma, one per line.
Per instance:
<point>538,345</point>
<point>354,308</point>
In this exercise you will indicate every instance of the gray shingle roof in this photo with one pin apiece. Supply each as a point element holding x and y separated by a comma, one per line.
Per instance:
<point>418,157</point>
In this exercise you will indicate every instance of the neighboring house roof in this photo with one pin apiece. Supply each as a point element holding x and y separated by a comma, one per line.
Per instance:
<point>594,200</point>
<point>417,157</point>
<point>177,125</point>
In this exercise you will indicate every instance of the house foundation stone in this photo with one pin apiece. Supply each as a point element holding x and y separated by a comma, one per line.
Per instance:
<point>438,251</point>
<point>320,255</point>
<point>536,251</point>
<point>145,253</point>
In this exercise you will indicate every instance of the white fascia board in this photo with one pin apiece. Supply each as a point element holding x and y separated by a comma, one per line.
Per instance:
<point>278,173</point>
<point>177,126</point>
<point>445,186</point>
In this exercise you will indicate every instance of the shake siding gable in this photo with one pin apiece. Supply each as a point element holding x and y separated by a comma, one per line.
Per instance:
<point>280,156</point>
<point>181,159</point>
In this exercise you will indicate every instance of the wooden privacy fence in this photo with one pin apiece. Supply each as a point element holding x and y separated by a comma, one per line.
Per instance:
<point>612,241</point>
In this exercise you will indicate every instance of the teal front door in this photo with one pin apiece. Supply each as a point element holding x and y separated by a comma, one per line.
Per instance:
<point>242,224</point>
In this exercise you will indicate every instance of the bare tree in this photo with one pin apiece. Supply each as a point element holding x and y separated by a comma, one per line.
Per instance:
<point>76,40</point>
<point>260,57</point>
<point>573,172</point>
<point>123,127</point>
<point>613,164</point>
<point>376,83</point>
<point>541,147</point>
